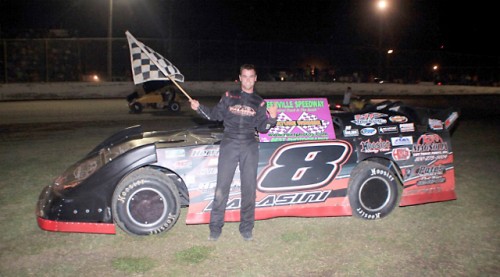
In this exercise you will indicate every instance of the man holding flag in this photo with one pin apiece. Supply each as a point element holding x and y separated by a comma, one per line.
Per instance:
<point>243,112</point>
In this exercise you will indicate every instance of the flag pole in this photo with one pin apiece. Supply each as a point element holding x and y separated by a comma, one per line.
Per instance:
<point>178,86</point>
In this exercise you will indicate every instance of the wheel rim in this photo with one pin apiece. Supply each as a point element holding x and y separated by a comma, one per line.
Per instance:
<point>146,207</point>
<point>174,107</point>
<point>374,194</point>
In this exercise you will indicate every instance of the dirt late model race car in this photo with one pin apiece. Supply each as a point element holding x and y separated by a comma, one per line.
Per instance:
<point>386,156</point>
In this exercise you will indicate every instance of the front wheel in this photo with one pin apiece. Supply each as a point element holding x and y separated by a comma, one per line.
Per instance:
<point>372,191</point>
<point>146,202</point>
<point>175,107</point>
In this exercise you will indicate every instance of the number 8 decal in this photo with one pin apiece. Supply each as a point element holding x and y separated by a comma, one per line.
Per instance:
<point>303,165</point>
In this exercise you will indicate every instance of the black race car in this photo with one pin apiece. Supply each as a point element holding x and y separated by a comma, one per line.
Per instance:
<point>388,155</point>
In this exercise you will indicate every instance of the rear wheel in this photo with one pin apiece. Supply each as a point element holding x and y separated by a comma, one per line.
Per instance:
<point>175,106</point>
<point>373,191</point>
<point>146,202</point>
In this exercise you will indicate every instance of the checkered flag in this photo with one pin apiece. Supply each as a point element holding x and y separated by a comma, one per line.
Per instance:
<point>312,129</point>
<point>147,65</point>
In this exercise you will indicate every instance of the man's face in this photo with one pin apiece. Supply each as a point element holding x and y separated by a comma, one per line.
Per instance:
<point>248,77</point>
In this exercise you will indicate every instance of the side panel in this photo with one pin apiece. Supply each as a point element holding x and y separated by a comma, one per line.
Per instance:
<point>295,179</point>
<point>431,176</point>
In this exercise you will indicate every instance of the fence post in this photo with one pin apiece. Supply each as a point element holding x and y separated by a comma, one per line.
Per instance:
<point>5,60</point>
<point>46,45</point>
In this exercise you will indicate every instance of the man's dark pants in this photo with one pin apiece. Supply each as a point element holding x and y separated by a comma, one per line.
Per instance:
<point>232,152</point>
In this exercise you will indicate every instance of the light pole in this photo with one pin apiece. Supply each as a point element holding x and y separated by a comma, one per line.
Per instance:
<point>110,41</point>
<point>381,7</point>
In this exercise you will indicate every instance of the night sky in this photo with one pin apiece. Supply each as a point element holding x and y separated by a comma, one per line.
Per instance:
<point>458,26</point>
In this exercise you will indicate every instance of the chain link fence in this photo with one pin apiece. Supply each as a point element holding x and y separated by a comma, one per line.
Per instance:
<point>78,59</point>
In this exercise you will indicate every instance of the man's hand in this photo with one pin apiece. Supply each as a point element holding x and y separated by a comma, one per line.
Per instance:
<point>273,110</point>
<point>194,104</point>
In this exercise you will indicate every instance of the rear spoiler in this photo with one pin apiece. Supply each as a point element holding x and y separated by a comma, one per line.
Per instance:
<point>451,120</point>
<point>446,119</point>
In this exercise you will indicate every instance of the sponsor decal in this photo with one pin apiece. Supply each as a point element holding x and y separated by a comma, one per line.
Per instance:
<point>366,215</point>
<point>428,158</point>
<point>388,129</point>
<point>430,144</point>
<point>286,199</point>
<point>431,180</point>
<point>205,152</point>
<point>398,119</point>
<point>369,119</point>
<point>122,197</point>
<point>381,145</point>
<point>208,171</point>
<point>400,141</point>
<point>430,174</point>
<point>368,131</point>
<point>425,190</point>
<point>381,172</point>
<point>401,154</point>
<point>435,124</point>
<point>183,164</point>
<point>175,153</point>
<point>430,170</point>
<point>407,127</point>
<point>453,116</point>
<point>242,110</point>
<point>348,132</point>
<point>207,185</point>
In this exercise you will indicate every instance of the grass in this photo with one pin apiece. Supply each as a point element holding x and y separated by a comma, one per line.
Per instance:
<point>130,265</point>
<point>455,238</point>
<point>194,254</point>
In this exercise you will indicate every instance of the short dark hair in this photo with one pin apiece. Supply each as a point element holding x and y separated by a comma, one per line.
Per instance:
<point>248,66</point>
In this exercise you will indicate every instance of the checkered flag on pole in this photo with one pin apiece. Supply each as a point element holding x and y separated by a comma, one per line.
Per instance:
<point>147,65</point>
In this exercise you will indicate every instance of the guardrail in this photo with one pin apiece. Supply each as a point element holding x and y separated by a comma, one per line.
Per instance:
<point>90,90</point>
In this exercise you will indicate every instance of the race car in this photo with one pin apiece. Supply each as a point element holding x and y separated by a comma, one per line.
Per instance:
<point>376,159</point>
<point>153,94</point>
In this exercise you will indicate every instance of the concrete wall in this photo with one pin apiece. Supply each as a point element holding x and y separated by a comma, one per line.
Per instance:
<point>85,90</point>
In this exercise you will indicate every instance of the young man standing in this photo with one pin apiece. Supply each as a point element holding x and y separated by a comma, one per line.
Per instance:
<point>243,112</point>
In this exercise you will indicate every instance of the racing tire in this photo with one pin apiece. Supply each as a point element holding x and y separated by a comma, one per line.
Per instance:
<point>136,107</point>
<point>175,107</point>
<point>146,202</point>
<point>373,191</point>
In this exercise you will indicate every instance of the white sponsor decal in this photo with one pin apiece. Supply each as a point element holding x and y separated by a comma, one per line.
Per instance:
<point>435,124</point>
<point>369,119</point>
<point>399,141</point>
<point>398,119</point>
<point>368,131</point>
<point>348,132</point>
<point>407,127</point>
<point>388,129</point>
